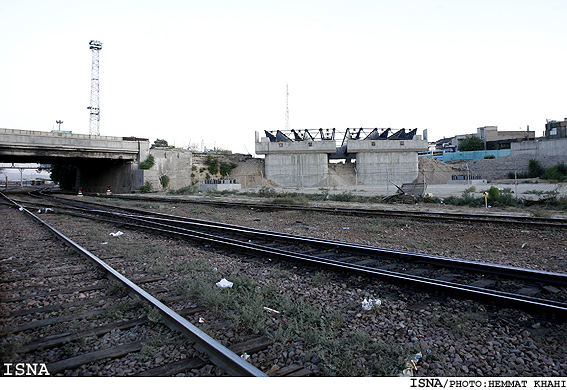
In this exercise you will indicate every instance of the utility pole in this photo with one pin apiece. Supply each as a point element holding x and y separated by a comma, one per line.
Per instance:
<point>94,117</point>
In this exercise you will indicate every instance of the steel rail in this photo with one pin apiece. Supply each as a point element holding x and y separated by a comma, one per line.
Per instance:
<point>424,215</point>
<point>218,353</point>
<point>529,274</point>
<point>257,249</point>
<point>508,271</point>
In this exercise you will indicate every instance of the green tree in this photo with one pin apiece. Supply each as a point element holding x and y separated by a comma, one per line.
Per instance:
<point>160,143</point>
<point>226,167</point>
<point>471,142</point>
<point>64,176</point>
<point>535,169</point>
<point>212,164</point>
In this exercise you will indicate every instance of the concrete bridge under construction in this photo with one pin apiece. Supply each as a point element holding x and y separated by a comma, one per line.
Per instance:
<point>101,161</point>
<point>373,156</point>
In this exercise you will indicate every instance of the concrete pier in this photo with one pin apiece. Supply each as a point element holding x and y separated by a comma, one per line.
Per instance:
<point>305,162</point>
<point>379,162</point>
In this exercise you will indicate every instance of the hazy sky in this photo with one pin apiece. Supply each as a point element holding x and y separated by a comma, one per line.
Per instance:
<point>216,71</point>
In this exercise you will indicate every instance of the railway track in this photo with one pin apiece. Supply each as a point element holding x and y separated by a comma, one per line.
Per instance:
<point>559,223</point>
<point>75,311</point>
<point>524,288</point>
<point>409,319</point>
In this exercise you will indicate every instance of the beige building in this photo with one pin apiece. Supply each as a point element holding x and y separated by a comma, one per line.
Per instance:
<point>556,129</point>
<point>496,140</point>
<point>491,133</point>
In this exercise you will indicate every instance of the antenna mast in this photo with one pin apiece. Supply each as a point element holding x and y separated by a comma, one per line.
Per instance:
<point>286,107</point>
<point>94,108</point>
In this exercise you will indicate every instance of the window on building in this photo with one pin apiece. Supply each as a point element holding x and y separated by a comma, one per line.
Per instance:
<point>553,131</point>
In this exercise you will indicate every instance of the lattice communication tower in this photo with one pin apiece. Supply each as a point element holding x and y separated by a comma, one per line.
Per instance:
<point>94,117</point>
<point>286,107</point>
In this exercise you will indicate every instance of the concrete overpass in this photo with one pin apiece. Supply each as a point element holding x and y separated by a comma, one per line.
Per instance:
<point>101,161</point>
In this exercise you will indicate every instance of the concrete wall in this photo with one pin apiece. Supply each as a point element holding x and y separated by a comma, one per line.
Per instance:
<point>381,168</point>
<point>297,170</point>
<point>381,161</point>
<point>547,152</point>
<point>540,147</point>
<point>174,163</point>
<point>296,164</point>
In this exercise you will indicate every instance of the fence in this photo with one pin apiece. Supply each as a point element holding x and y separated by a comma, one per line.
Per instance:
<point>472,155</point>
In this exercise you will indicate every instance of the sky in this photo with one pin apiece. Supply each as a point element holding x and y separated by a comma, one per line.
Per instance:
<point>215,72</point>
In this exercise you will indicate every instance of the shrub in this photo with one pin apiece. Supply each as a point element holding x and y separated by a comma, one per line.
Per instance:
<point>183,191</point>
<point>555,173</point>
<point>147,163</point>
<point>225,168</point>
<point>343,197</point>
<point>489,157</point>
<point>212,164</point>
<point>164,180</point>
<point>494,194</point>
<point>535,169</point>
<point>267,192</point>
<point>146,188</point>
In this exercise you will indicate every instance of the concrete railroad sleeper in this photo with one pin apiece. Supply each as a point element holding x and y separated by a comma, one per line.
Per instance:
<point>219,354</point>
<point>165,227</point>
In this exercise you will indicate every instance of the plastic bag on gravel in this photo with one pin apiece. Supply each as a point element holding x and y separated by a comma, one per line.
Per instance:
<point>368,304</point>
<point>224,283</point>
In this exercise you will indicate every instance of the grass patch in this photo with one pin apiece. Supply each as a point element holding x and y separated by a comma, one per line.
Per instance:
<point>187,190</point>
<point>300,322</point>
<point>137,252</point>
<point>118,310</point>
<point>372,228</point>
<point>155,344</point>
<point>320,279</point>
<point>462,324</point>
<point>419,245</point>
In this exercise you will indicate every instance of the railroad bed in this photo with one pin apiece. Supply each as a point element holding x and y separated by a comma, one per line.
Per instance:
<point>463,337</point>
<point>63,312</point>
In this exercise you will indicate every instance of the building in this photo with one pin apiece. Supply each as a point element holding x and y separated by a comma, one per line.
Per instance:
<point>556,129</point>
<point>497,140</point>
